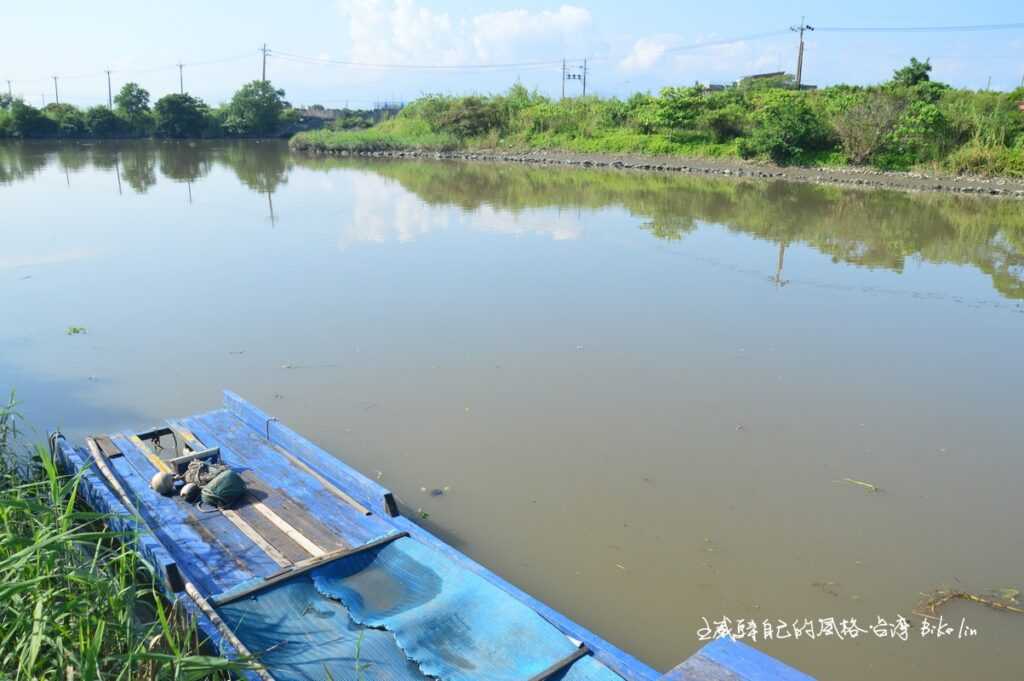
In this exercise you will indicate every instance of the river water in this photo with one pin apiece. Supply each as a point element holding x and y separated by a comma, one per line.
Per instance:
<point>645,396</point>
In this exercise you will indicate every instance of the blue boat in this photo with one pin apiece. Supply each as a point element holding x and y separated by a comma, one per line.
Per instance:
<point>315,574</point>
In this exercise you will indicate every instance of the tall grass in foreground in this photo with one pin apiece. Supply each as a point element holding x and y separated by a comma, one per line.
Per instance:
<point>75,603</point>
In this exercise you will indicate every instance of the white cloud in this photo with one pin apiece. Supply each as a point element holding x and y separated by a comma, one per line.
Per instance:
<point>653,53</point>
<point>645,53</point>
<point>406,32</point>
<point>385,212</point>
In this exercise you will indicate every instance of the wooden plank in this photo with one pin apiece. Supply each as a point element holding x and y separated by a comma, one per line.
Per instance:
<point>295,496</point>
<point>296,515</point>
<point>284,544</point>
<point>217,542</point>
<point>198,553</point>
<point>97,493</point>
<point>297,537</point>
<point>283,513</point>
<point>330,469</point>
<point>251,532</point>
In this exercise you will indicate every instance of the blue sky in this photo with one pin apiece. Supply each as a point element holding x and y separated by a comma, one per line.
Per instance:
<point>629,45</point>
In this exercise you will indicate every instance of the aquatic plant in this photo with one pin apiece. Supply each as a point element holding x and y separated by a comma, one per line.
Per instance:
<point>74,601</point>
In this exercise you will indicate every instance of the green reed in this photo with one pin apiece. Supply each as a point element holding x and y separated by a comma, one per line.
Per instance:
<point>75,602</point>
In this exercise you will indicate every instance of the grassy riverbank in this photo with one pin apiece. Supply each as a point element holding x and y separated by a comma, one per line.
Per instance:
<point>906,123</point>
<point>74,602</point>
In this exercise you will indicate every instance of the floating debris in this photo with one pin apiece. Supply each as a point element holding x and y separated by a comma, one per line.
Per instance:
<point>931,602</point>
<point>76,330</point>
<point>860,483</point>
<point>826,587</point>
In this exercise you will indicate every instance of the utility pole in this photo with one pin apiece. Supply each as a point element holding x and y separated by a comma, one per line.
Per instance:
<point>56,94</point>
<point>584,77</point>
<point>10,94</point>
<point>181,79</point>
<point>563,78</point>
<point>800,55</point>
<point>110,92</point>
<point>264,51</point>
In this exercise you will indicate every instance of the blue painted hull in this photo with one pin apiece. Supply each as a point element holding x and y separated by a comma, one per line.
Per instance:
<point>307,520</point>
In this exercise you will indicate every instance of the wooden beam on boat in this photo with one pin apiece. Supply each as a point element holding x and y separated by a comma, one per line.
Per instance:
<point>303,567</point>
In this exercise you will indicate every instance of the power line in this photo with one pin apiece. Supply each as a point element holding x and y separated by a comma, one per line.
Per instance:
<point>150,69</point>
<point>922,29</point>
<point>411,67</point>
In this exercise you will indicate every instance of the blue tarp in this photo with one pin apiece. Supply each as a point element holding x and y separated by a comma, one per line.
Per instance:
<point>301,636</point>
<point>454,624</point>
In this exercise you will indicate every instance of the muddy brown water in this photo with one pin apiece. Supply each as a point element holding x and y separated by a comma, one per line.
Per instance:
<point>641,394</point>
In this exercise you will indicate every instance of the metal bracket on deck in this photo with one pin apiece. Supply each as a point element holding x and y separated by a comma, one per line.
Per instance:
<point>180,464</point>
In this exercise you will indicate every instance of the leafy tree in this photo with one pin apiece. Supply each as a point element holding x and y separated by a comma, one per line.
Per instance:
<point>180,116</point>
<point>68,119</point>
<point>102,122</point>
<point>255,109</point>
<point>132,103</point>
<point>5,101</point>
<point>28,121</point>
<point>913,73</point>
<point>132,99</point>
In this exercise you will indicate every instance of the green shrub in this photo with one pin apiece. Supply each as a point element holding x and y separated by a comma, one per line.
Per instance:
<point>864,127</point>
<point>678,107</point>
<point>28,121</point>
<point>6,124</point>
<point>921,134</point>
<point>102,122</point>
<point>469,117</point>
<point>985,160</point>
<point>988,119</point>
<point>786,127</point>
<point>69,121</point>
<point>725,123</point>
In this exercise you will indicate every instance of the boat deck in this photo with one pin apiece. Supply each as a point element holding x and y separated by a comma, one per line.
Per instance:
<point>315,573</point>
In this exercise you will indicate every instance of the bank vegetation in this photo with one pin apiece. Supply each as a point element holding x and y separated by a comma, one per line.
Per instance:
<point>907,122</point>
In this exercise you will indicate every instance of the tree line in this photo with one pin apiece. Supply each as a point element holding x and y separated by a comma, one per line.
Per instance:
<point>257,109</point>
<point>907,121</point>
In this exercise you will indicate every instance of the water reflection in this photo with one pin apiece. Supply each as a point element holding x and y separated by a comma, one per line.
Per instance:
<point>874,229</point>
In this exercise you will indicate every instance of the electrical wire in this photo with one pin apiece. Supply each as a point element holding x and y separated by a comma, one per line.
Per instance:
<point>920,29</point>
